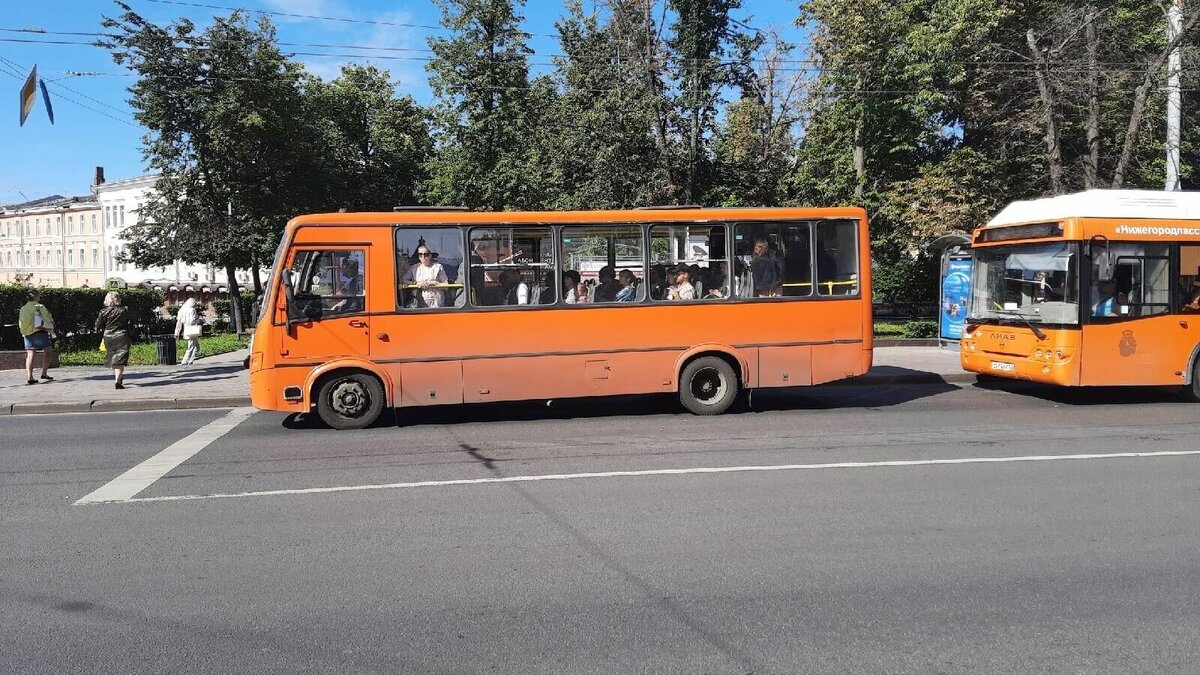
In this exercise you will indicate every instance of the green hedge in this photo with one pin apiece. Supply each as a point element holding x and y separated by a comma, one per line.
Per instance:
<point>75,309</point>
<point>908,329</point>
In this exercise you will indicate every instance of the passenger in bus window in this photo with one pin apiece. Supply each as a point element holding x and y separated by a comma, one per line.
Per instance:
<point>629,286</point>
<point>349,288</point>
<point>1107,292</point>
<point>767,269</point>
<point>658,282</point>
<point>609,287</point>
<point>682,289</point>
<point>427,275</point>
<point>516,291</point>
<point>570,287</point>
<point>717,281</point>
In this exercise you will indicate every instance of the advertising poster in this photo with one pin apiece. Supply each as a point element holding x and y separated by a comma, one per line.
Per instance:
<point>956,289</point>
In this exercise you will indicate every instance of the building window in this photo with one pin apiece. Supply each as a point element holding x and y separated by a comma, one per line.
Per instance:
<point>122,215</point>
<point>95,254</point>
<point>38,258</point>
<point>71,257</point>
<point>70,224</point>
<point>37,226</point>
<point>94,223</point>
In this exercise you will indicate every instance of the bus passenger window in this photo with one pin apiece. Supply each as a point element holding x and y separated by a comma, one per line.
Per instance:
<point>837,257</point>
<point>429,268</point>
<point>772,260</point>
<point>512,266</point>
<point>603,264</point>
<point>329,282</point>
<point>687,262</point>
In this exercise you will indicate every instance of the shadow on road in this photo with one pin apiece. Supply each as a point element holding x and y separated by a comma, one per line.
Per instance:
<point>822,397</point>
<point>1082,396</point>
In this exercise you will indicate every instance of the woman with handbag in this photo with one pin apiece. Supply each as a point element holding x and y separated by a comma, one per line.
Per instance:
<point>189,325</point>
<point>113,322</point>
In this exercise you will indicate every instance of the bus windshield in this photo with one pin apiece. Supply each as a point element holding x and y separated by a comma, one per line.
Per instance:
<point>1035,283</point>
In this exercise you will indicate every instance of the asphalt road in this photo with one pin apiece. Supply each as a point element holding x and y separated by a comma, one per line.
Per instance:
<point>840,529</point>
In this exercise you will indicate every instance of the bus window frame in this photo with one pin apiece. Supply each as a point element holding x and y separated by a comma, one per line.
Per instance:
<point>554,267</point>
<point>462,242</point>
<point>561,301</point>
<point>290,291</point>
<point>1172,304</point>
<point>694,301</point>
<point>285,267</point>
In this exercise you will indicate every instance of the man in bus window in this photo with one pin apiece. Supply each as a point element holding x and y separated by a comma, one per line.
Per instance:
<point>609,287</point>
<point>1107,306</point>
<point>767,269</point>
<point>516,291</point>
<point>682,289</point>
<point>350,288</point>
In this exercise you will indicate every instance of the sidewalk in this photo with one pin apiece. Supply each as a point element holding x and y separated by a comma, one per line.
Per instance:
<point>221,382</point>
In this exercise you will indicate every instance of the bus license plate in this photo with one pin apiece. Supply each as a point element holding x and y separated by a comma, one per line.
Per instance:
<point>1004,367</point>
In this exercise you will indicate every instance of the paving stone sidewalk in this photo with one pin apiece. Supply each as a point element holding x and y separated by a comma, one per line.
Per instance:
<point>221,381</point>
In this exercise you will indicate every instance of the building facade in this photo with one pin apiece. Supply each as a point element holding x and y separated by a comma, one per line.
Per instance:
<point>52,241</point>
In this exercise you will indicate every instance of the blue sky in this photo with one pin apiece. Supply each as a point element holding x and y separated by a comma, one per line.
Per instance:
<point>41,159</point>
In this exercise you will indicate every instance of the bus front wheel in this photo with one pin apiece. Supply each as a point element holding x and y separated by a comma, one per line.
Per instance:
<point>1191,390</point>
<point>708,386</point>
<point>350,401</point>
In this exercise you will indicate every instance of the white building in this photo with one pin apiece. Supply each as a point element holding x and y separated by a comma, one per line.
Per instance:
<point>52,241</point>
<point>120,204</point>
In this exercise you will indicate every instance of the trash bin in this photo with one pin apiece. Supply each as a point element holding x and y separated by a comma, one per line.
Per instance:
<point>166,350</point>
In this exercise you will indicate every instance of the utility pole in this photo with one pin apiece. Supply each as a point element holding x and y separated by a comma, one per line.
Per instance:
<point>1174,66</point>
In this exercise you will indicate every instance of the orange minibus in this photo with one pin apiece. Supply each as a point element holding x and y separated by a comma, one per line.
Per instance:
<point>421,307</point>
<point>1095,288</point>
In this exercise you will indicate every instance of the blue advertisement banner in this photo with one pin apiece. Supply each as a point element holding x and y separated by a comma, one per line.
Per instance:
<point>956,290</point>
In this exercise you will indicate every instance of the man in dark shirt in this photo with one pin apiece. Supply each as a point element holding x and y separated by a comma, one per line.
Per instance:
<point>609,286</point>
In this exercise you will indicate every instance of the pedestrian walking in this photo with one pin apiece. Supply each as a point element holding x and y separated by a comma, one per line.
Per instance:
<point>37,327</point>
<point>189,325</point>
<point>113,322</point>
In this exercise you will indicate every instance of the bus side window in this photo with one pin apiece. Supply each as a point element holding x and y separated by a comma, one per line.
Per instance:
<point>329,283</point>
<point>837,257</point>
<point>512,266</point>
<point>430,273</point>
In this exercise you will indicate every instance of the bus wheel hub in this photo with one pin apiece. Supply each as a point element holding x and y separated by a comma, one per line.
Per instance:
<point>350,399</point>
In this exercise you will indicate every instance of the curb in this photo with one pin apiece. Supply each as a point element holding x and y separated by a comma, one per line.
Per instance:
<point>125,405</point>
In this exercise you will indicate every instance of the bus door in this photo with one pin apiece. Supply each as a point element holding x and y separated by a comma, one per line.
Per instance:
<point>325,305</point>
<point>1131,335</point>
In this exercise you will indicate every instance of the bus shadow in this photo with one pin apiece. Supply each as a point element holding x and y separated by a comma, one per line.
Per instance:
<point>822,397</point>
<point>1085,396</point>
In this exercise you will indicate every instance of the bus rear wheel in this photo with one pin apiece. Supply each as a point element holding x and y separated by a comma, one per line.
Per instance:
<point>708,386</point>
<point>350,401</point>
<point>1191,390</point>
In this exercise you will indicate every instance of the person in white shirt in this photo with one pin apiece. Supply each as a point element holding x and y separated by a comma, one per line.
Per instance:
<point>682,289</point>
<point>571,287</point>
<point>427,275</point>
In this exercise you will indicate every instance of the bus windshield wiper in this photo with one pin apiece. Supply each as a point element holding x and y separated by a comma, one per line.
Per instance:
<point>1041,334</point>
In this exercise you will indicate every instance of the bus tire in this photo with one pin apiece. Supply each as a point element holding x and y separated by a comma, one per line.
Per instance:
<point>708,386</point>
<point>349,400</point>
<point>1191,390</point>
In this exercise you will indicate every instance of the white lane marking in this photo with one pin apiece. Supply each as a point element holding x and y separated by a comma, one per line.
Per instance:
<point>670,472</point>
<point>140,477</point>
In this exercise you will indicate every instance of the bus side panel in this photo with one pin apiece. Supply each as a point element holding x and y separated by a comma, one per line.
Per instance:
<point>534,377</point>
<point>785,366</point>
<point>836,362</point>
<point>1149,351</point>
<point>429,383</point>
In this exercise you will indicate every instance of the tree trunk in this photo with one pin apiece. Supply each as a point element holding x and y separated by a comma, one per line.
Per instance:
<point>1053,150</point>
<point>254,265</point>
<point>1091,166</point>
<point>235,308</point>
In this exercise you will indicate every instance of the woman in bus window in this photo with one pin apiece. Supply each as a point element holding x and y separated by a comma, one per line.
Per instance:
<point>682,289</point>
<point>427,275</point>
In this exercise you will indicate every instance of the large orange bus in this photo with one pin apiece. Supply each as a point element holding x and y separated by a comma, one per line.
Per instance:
<point>370,311</point>
<point>1096,288</point>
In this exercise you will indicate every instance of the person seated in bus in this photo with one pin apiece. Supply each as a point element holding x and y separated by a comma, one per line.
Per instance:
<point>515,290</point>
<point>349,288</point>
<point>1191,297</point>
<point>427,275</point>
<point>658,282</point>
<point>629,286</point>
<point>609,286</point>
<point>767,269</point>
<point>682,288</point>
<point>718,278</point>
<point>570,287</point>
<point>1107,305</point>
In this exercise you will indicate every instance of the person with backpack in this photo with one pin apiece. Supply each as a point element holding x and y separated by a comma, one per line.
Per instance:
<point>189,325</point>
<point>37,327</point>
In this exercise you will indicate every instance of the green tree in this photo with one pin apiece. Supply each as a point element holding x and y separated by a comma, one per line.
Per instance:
<point>376,144</point>
<point>482,114</point>
<point>221,109</point>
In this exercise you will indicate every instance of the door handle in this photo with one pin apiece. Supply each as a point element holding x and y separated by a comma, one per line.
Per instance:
<point>383,337</point>
<point>358,324</point>
<point>1182,323</point>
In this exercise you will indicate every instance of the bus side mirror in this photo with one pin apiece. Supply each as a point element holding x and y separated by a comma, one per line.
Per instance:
<point>297,312</point>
